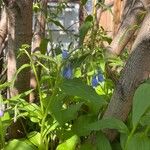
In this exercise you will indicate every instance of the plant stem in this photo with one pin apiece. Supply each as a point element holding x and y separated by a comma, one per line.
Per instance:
<point>2,135</point>
<point>130,136</point>
<point>55,90</point>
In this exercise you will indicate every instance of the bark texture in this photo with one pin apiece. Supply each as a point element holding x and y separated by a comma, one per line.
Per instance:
<point>3,28</point>
<point>137,70</point>
<point>116,16</point>
<point>133,15</point>
<point>3,35</point>
<point>20,32</point>
<point>100,11</point>
<point>39,33</point>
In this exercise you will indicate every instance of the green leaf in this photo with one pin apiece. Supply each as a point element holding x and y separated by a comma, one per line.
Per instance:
<point>63,116</point>
<point>141,102</point>
<point>89,18</point>
<point>6,120</point>
<point>29,109</point>
<point>59,113</point>
<point>70,113</point>
<point>139,142</point>
<point>69,144</point>
<point>34,112</point>
<point>145,120</point>
<point>55,107</point>
<point>43,46</point>
<point>45,57</point>
<point>78,60</point>
<point>123,139</point>
<point>50,126</point>
<point>79,126</point>
<point>87,146</point>
<point>19,145</point>
<point>83,2</point>
<point>5,85</point>
<point>34,138</point>
<point>76,87</point>
<point>36,7</point>
<point>106,38</point>
<point>85,27</point>
<point>24,94</point>
<point>57,23</point>
<point>24,66</point>
<point>110,123</point>
<point>102,143</point>
<point>116,146</point>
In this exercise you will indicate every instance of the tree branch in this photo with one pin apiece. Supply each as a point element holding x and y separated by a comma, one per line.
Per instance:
<point>137,69</point>
<point>133,15</point>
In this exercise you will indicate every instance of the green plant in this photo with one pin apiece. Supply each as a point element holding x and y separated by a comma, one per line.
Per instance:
<point>73,93</point>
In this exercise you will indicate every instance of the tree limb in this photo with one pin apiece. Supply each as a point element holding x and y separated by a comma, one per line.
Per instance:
<point>137,69</point>
<point>133,15</point>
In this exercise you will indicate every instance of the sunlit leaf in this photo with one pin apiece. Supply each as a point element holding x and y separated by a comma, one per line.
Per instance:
<point>19,145</point>
<point>69,144</point>
<point>24,94</point>
<point>34,137</point>
<point>5,85</point>
<point>141,102</point>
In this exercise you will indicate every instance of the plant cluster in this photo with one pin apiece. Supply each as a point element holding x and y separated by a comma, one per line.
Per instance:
<point>73,93</point>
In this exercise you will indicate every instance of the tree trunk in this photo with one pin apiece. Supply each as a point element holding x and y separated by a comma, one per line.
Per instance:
<point>3,28</point>
<point>137,70</point>
<point>3,35</point>
<point>133,15</point>
<point>100,11</point>
<point>116,16</point>
<point>20,32</point>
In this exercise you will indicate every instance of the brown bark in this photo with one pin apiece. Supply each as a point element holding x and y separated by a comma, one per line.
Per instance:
<point>39,34</point>
<point>116,16</point>
<point>133,15</point>
<point>137,69</point>
<point>20,32</point>
<point>81,14</point>
<point>3,28</point>
<point>3,34</point>
<point>100,10</point>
